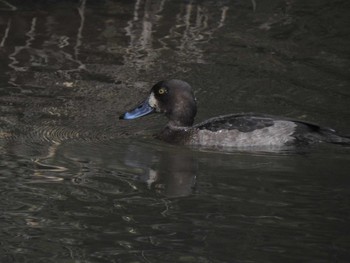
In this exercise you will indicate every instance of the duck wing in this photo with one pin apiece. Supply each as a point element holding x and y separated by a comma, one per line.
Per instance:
<point>302,132</point>
<point>244,122</point>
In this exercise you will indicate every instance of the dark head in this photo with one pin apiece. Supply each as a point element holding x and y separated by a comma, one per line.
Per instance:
<point>173,97</point>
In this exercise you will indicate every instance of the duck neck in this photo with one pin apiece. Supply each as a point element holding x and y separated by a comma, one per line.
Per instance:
<point>181,120</point>
<point>177,123</point>
<point>182,115</point>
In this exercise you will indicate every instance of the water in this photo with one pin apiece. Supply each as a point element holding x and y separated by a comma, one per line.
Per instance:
<point>78,185</point>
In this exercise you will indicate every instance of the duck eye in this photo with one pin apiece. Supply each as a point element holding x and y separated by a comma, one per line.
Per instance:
<point>161,91</point>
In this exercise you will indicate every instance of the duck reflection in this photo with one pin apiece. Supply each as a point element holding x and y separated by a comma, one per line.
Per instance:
<point>170,172</point>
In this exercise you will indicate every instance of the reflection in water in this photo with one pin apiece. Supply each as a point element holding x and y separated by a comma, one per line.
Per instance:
<point>50,55</point>
<point>81,10</point>
<point>77,186</point>
<point>31,35</point>
<point>189,28</point>
<point>170,173</point>
<point>6,33</point>
<point>46,53</point>
<point>166,170</point>
<point>7,6</point>
<point>192,26</point>
<point>176,175</point>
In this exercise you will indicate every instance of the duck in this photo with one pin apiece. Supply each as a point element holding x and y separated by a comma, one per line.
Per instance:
<point>175,99</point>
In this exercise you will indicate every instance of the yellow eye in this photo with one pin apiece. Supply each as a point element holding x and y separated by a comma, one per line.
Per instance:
<point>161,91</point>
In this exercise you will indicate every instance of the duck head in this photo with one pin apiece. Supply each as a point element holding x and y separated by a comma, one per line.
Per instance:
<point>174,98</point>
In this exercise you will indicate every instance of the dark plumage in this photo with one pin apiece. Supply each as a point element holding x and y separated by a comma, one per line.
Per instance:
<point>176,100</point>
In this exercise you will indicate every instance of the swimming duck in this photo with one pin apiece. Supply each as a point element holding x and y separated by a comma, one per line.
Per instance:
<point>176,100</point>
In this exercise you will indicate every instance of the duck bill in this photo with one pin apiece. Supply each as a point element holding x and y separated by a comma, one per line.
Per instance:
<point>142,110</point>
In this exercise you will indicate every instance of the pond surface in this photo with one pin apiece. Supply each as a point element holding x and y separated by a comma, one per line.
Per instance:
<point>79,185</point>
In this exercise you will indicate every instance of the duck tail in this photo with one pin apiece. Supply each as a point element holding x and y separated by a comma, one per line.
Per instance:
<point>332,137</point>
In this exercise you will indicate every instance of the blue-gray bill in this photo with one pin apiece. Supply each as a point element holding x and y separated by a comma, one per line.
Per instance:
<point>142,110</point>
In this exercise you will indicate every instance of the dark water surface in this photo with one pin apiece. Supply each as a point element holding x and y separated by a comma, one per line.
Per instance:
<point>78,185</point>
